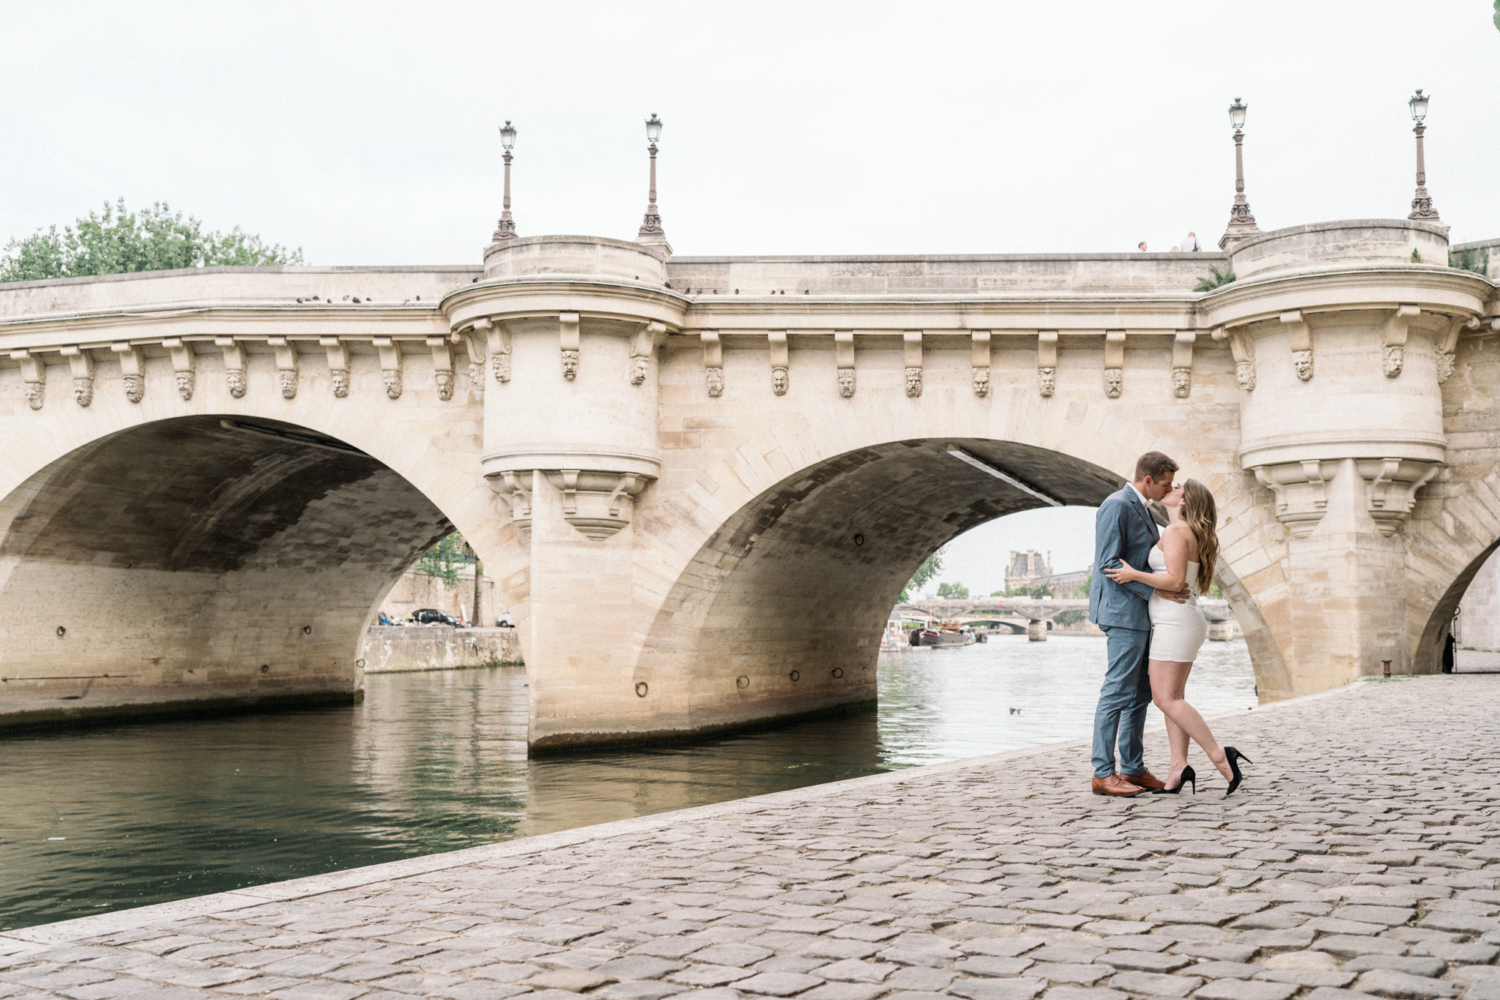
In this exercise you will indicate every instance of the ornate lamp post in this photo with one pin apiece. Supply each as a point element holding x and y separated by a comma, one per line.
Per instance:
<point>651,230</point>
<point>1241,222</point>
<point>507,228</point>
<point>1421,205</point>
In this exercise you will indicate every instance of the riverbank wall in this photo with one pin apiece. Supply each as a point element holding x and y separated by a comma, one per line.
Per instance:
<point>396,649</point>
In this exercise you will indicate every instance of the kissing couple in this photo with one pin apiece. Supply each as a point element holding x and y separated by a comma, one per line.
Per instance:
<point>1144,597</point>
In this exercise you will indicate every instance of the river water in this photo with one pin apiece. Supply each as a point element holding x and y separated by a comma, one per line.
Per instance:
<point>107,818</point>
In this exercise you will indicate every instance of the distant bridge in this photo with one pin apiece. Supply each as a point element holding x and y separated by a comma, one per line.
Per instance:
<point>1034,615</point>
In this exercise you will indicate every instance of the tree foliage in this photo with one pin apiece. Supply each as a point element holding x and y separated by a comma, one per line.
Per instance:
<point>1476,259</point>
<point>443,560</point>
<point>931,567</point>
<point>952,590</point>
<point>120,241</point>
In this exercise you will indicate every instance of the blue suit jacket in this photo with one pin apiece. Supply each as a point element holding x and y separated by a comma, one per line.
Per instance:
<point>1123,529</point>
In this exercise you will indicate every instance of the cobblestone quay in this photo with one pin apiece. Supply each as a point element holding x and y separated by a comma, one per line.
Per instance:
<point>1361,858</point>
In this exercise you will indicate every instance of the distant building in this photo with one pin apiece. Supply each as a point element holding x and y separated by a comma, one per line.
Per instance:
<point>1030,569</point>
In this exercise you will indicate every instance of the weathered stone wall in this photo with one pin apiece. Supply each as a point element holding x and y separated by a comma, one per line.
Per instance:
<point>420,590</point>
<point>396,648</point>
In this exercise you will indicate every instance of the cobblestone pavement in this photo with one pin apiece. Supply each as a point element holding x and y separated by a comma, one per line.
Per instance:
<point>1360,859</point>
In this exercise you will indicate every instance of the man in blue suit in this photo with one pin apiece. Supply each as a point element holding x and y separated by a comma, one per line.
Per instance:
<point>1124,529</point>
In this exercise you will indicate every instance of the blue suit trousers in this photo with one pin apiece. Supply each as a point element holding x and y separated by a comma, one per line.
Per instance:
<point>1123,701</point>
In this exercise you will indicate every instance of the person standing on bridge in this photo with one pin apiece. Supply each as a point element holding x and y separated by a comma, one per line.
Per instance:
<point>1124,529</point>
<point>1186,558</point>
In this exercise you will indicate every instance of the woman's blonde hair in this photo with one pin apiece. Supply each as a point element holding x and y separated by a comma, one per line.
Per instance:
<point>1202,517</point>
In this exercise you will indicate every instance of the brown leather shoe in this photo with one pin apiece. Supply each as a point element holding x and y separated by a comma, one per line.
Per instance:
<point>1145,780</point>
<point>1115,785</point>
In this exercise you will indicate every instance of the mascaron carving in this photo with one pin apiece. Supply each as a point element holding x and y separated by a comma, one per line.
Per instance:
<point>392,378</point>
<point>982,380</point>
<point>340,378</point>
<point>639,368</point>
<point>846,382</point>
<point>34,391</point>
<point>1114,381</point>
<point>1444,367</point>
<point>1182,382</point>
<point>913,381</point>
<point>83,391</point>
<point>570,365</point>
<point>186,382</point>
<point>1047,380</point>
<point>476,375</point>
<point>286,381</point>
<point>444,384</point>
<point>500,365</point>
<point>715,377</point>
<point>779,380</point>
<point>235,377</point>
<point>135,389</point>
<point>1303,362</point>
<point>1392,360</point>
<point>1244,374</point>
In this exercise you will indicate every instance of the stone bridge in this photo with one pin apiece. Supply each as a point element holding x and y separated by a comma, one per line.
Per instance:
<point>1032,615</point>
<point>702,482</point>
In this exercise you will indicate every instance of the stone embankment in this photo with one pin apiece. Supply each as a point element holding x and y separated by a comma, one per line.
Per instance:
<point>396,648</point>
<point>1360,860</point>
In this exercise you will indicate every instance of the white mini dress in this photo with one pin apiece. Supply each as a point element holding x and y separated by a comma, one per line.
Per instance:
<point>1177,630</point>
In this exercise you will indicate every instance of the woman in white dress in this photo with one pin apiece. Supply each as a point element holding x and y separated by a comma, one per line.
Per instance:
<point>1184,558</point>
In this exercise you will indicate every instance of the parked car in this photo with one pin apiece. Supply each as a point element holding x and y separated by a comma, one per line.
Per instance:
<point>432,616</point>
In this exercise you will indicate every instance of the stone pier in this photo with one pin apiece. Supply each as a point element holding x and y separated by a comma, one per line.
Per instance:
<point>1360,860</point>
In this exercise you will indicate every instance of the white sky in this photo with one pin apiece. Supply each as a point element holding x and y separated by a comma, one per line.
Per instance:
<point>365,133</point>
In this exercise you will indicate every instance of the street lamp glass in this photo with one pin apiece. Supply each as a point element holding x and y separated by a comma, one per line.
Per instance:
<point>1237,115</point>
<point>1418,104</point>
<point>507,135</point>
<point>653,128</point>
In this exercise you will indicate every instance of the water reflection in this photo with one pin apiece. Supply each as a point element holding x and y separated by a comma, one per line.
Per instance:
<point>436,761</point>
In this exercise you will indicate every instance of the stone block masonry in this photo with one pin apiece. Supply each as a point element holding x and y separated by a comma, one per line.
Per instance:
<point>393,649</point>
<point>1360,860</point>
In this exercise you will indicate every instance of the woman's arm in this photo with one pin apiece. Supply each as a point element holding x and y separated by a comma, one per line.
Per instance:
<point>1174,546</point>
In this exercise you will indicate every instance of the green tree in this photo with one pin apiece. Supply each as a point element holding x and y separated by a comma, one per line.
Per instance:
<point>1476,259</point>
<point>121,241</point>
<point>444,559</point>
<point>931,567</point>
<point>953,590</point>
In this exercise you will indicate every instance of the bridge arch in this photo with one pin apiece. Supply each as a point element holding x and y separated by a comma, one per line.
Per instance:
<point>779,611</point>
<point>207,561</point>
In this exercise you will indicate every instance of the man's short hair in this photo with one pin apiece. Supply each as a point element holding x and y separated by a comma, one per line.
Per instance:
<point>1153,464</point>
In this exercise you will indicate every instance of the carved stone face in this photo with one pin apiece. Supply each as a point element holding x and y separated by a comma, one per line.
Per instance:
<point>186,382</point>
<point>1047,380</point>
<point>235,379</point>
<point>779,380</point>
<point>1394,359</point>
<point>135,388</point>
<point>846,382</point>
<point>476,375</point>
<point>715,377</point>
<point>340,382</point>
<point>1444,367</point>
<point>33,392</point>
<point>444,385</point>
<point>83,391</point>
<point>570,364</point>
<point>982,381</point>
<point>392,379</point>
<point>1182,382</point>
<point>1303,362</point>
<point>913,381</point>
<point>639,367</point>
<point>500,364</point>
<point>1244,373</point>
<point>287,382</point>
<point>1114,381</point>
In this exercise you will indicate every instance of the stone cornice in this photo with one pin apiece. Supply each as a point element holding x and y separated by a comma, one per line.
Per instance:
<point>1436,289</point>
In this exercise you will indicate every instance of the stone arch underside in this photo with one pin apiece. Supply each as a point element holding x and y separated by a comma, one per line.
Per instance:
<point>779,613</point>
<point>196,562</point>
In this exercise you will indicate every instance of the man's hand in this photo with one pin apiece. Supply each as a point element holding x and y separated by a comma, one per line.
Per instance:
<point>1176,596</point>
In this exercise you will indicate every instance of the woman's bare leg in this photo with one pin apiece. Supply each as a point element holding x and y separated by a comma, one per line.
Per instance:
<point>1177,740</point>
<point>1168,681</point>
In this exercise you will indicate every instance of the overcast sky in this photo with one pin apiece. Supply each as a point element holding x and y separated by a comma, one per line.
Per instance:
<point>366,133</point>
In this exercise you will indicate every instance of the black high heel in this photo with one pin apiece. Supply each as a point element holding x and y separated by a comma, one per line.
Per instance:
<point>1234,757</point>
<point>1188,775</point>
